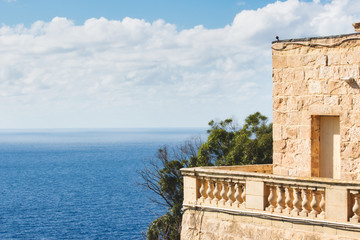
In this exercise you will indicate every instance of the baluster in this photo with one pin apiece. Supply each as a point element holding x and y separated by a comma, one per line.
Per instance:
<point>305,203</point>
<point>280,199</point>
<point>237,195</point>
<point>315,203</point>
<point>322,205</point>
<point>288,200</point>
<point>202,191</point>
<point>216,192</point>
<point>356,207</point>
<point>223,193</point>
<point>297,202</point>
<point>230,194</point>
<point>243,196</point>
<point>271,199</point>
<point>209,191</point>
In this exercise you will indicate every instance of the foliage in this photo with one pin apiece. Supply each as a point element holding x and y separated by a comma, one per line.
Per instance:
<point>162,176</point>
<point>226,145</point>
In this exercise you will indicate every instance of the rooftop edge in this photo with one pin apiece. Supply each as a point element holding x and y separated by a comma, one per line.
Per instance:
<point>311,38</point>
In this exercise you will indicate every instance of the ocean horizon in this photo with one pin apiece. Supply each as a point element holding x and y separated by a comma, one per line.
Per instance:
<point>79,183</point>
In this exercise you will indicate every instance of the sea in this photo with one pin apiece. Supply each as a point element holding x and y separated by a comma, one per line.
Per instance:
<point>79,183</point>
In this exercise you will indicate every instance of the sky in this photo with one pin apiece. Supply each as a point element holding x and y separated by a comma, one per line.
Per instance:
<point>148,64</point>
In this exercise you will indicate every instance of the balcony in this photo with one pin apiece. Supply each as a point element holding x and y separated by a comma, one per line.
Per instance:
<point>255,191</point>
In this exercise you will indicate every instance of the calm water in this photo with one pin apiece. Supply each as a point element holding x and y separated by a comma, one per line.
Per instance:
<point>72,184</point>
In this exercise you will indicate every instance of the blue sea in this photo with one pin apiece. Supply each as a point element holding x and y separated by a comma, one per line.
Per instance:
<point>79,184</point>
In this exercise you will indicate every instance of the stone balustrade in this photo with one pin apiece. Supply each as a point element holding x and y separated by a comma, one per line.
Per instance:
<point>295,200</point>
<point>256,189</point>
<point>222,192</point>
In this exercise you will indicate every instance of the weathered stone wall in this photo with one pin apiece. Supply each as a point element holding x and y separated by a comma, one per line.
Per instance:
<point>307,83</point>
<point>222,226</point>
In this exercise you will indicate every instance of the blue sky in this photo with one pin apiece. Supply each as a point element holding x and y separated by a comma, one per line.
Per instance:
<point>185,14</point>
<point>119,64</point>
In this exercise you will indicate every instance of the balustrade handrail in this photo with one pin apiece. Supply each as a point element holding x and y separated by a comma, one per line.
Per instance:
<point>219,172</point>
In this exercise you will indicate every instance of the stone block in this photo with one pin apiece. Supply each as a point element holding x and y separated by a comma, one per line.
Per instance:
<point>311,73</point>
<point>337,87</point>
<point>284,171</point>
<point>277,168</point>
<point>300,88</point>
<point>299,74</point>
<point>277,89</point>
<point>349,234</point>
<point>350,150</point>
<point>316,87</point>
<point>334,59</point>
<point>346,102</point>
<point>277,132</point>
<point>279,104</point>
<point>190,189</point>
<point>294,118</point>
<point>255,195</point>
<point>325,73</point>
<point>288,160</point>
<point>290,132</point>
<point>354,133</point>
<point>255,202</point>
<point>279,118</point>
<point>331,100</point>
<point>356,101</point>
<point>288,89</point>
<point>254,188</point>
<point>277,223</point>
<point>279,146</point>
<point>347,58</point>
<point>246,219</point>
<point>279,61</point>
<point>303,147</point>
<point>294,61</point>
<point>277,158</point>
<point>262,221</point>
<point>277,75</point>
<point>304,132</point>
<point>318,109</point>
<point>327,230</point>
<point>288,75</point>
<point>336,207</point>
<point>292,104</point>
<point>349,71</point>
<point>303,227</point>
<point>314,60</point>
<point>225,217</point>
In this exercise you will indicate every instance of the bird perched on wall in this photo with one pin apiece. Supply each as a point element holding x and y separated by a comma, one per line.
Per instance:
<point>277,38</point>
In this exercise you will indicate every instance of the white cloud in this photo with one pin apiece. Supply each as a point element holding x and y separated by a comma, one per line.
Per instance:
<point>135,73</point>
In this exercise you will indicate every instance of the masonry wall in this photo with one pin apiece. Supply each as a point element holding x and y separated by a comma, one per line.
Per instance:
<point>307,83</point>
<point>222,226</point>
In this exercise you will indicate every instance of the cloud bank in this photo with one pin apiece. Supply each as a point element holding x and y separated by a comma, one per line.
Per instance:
<point>133,73</point>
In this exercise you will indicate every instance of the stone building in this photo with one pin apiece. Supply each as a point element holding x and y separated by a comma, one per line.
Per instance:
<point>312,189</point>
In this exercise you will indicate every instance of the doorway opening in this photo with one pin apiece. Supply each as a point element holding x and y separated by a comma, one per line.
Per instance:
<point>325,146</point>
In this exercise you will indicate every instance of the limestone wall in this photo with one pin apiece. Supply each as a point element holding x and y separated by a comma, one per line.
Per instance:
<point>307,83</point>
<point>222,226</point>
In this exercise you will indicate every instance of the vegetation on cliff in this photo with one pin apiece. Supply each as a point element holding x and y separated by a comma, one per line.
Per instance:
<point>227,144</point>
